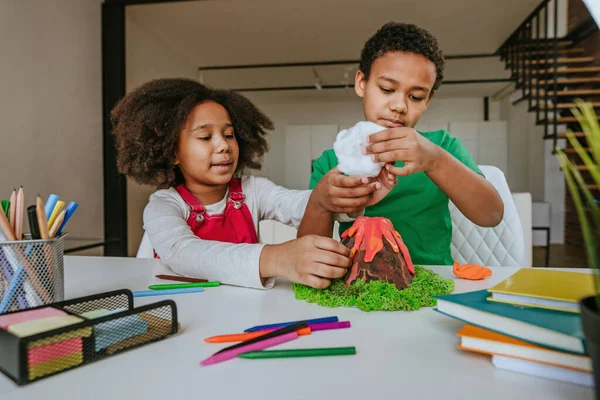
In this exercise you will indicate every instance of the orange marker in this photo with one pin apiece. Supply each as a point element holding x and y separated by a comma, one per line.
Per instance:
<point>241,337</point>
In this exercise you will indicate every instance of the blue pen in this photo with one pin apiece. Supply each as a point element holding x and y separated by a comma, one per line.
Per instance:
<point>282,324</point>
<point>68,213</point>
<point>147,293</point>
<point>50,204</point>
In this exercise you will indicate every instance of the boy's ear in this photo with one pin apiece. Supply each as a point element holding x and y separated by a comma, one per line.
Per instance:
<point>359,83</point>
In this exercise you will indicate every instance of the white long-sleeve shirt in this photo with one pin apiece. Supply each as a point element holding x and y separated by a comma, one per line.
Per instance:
<point>165,222</point>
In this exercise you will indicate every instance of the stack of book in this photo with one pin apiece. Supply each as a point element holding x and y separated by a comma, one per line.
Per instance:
<point>528,323</point>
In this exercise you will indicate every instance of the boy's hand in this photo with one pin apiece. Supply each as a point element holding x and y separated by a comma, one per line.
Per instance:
<point>403,144</point>
<point>311,260</point>
<point>338,193</point>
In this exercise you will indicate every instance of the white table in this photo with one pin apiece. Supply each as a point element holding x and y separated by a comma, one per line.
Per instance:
<point>402,355</point>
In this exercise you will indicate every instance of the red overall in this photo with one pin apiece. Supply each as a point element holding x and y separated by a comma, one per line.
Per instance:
<point>234,225</point>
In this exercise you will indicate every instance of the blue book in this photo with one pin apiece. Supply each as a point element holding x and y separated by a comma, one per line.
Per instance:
<point>550,328</point>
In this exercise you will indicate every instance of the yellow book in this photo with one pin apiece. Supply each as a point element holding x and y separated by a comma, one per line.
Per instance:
<point>555,290</point>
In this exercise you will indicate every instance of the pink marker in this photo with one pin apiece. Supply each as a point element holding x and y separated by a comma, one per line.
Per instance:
<point>263,344</point>
<point>321,326</point>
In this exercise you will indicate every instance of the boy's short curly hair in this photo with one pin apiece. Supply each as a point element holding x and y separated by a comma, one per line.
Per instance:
<point>402,37</point>
<point>147,123</point>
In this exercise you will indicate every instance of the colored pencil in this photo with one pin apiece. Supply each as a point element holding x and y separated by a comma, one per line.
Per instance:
<point>6,228</point>
<point>278,332</point>
<point>50,205</point>
<point>180,278</point>
<point>41,216</point>
<point>281,324</point>
<point>331,351</point>
<point>69,213</point>
<point>147,293</point>
<point>19,214</point>
<point>167,286</point>
<point>241,337</point>
<point>57,223</point>
<point>12,211</point>
<point>57,210</point>
<point>323,326</point>
<point>228,355</point>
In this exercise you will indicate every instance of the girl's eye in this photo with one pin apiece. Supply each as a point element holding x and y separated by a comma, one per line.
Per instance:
<point>229,136</point>
<point>205,138</point>
<point>386,90</point>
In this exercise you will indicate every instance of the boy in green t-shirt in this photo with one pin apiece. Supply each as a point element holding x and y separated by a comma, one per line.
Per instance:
<point>400,69</point>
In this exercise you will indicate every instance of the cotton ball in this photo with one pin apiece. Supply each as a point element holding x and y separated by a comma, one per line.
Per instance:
<point>348,150</point>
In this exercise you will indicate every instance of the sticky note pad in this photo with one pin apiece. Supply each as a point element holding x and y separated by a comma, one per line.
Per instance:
<point>55,365</point>
<point>157,328</point>
<point>54,350</point>
<point>111,332</point>
<point>42,325</point>
<point>61,337</point>
<point>24,316</point>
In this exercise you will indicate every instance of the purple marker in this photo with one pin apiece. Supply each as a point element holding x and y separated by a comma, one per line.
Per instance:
<point>324,326</point>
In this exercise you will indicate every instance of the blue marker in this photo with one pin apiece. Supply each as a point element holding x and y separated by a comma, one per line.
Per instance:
<point>147,293</point>
<point>282,324</point>
<point>50,204</point>
<point>68,214</point>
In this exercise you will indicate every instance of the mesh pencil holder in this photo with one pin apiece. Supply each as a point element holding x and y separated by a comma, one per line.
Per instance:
<point>32,273</point>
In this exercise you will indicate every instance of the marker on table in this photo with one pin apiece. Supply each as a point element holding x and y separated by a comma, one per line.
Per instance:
<point>282,324</point>
<point>275,333</point>
<point>168,286</point>
<point>228,355</point>
<point>146,293</point>
<point>242,337</point>
<point>331,351</point>
<point>179,278</point>
<point>323,326</point>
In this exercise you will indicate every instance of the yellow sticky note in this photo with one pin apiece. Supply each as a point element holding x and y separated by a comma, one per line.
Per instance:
<point>42,325</point>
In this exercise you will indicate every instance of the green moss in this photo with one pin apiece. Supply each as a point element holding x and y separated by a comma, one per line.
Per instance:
<point>379,295</point>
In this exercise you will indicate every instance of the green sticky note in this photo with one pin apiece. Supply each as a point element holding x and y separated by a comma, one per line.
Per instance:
<point>5,206</point>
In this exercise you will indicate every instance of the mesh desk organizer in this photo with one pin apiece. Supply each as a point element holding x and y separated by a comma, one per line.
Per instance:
<point>98,326</point>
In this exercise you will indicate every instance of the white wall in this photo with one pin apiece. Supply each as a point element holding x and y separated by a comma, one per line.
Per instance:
<point>147,58</point>
<point>51,105</point>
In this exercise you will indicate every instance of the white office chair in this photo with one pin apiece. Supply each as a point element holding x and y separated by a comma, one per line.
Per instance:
<point>145,250</point>
<point>504,245</point>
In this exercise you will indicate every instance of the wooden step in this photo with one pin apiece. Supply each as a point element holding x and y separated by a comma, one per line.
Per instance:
<point>571,150</point>
<point>567,71</point>
<point>563,135</point>
<point>569,93</point>
<point>561,44</point>
<point>564,106</point>
<point>564,120</point>
<point>567,81</point>
<point>576,50</point>
<point>560,60</point>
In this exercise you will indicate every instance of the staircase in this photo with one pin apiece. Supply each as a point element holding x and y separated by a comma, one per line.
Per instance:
<point>551,72</point>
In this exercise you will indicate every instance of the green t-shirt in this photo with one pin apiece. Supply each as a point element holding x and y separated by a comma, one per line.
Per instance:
<point>416,206</point>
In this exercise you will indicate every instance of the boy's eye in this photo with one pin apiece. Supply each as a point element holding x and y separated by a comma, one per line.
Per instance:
<point>386,90</point>
<point>415,98</point>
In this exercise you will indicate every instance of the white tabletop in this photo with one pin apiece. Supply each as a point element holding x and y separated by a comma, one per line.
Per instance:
<point>403,355</point>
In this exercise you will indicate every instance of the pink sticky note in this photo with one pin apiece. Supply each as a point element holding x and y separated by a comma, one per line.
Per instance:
<point>54,350</point>
<point>30,315</point>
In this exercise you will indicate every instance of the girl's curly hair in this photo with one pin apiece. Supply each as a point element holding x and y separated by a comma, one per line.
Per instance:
<point>147,123</point>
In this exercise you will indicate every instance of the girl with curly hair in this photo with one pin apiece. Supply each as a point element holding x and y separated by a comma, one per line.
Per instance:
<point>193,142</point>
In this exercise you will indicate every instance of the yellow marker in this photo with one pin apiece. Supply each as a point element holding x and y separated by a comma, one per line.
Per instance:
<point>57,209</point>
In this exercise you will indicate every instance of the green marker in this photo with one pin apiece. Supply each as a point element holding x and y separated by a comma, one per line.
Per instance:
<point>168,286</point>
<point>331,351</point>
<point>5,206</point>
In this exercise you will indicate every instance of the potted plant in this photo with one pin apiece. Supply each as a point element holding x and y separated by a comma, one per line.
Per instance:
<point>588,212</point>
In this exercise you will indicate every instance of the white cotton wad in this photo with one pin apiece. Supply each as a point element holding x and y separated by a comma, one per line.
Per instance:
<point>348,150</point>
